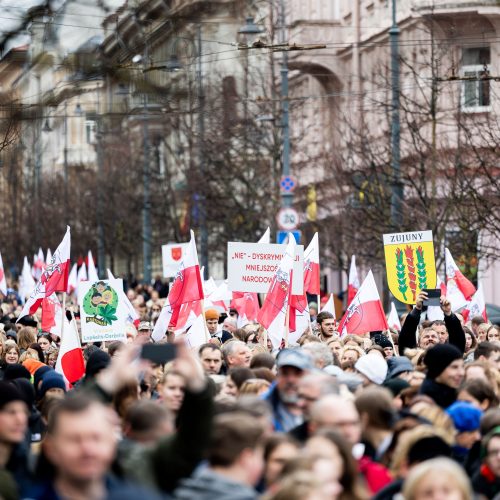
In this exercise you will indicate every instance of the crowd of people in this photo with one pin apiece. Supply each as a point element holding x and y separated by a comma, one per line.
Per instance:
<point>385,415</point>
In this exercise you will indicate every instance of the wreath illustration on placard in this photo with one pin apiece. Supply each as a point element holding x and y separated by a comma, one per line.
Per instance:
<point>100,304</point>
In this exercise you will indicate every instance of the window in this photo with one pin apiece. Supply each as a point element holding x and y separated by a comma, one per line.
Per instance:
<point>90,129</point>
<point>476,91</point>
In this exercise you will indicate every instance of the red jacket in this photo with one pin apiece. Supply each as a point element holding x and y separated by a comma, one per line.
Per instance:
<point>376,475</point>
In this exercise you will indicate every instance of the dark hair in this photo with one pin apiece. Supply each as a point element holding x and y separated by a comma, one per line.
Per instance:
<point>114,347</point>
<point>264,374</point>
<point>485,349</point>
<point>322,316</point>
<point>263,360</point>
<point>73,403</point>
<point>480,389</point>
<point>240,374</point>
<point>36,347</point>
<point>477,320</point>
<point>274,440</point>
<point>231,434</point>
<point>376,403</point>
<point>143,416</point>
<point>210,346</point>
<point>490,420</point>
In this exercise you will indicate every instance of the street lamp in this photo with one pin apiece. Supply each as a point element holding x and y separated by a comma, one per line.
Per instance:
<point>250,29</point>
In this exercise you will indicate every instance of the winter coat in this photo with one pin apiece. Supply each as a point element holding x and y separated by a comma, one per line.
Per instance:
<point>408,340</point>
<point>443,395</point>
<point>206,484</point>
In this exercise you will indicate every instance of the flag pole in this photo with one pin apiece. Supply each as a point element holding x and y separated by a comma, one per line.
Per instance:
<point>207,334</point>
<point>64,313</point>
<point>287,323</point>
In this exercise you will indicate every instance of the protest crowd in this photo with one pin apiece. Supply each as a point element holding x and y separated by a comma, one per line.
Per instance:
<point>386,413</point>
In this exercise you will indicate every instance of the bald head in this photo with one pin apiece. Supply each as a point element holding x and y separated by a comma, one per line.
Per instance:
<point>337,413</point>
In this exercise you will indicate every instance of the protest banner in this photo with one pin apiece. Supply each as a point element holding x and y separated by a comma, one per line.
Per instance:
<point>251,266</point>
<point>410,264</point>
<point>102,311</point>
<point>171,256</point>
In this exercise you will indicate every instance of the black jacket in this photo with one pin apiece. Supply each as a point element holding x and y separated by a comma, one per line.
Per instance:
<point>443,395</point>
<point>408,337</point>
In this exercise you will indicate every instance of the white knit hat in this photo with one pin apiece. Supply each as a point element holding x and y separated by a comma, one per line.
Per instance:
<point>373,367</point>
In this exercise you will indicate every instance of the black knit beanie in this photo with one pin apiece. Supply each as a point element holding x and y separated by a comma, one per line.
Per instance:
<point>9,393</point>
<point>439,357</point>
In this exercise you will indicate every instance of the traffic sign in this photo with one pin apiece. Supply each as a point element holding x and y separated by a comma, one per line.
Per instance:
<point>287,184</point>
<point>282,236</point>
<point>287,218</point>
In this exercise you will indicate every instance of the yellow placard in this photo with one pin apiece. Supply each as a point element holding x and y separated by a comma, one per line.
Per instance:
<point>410,264</point>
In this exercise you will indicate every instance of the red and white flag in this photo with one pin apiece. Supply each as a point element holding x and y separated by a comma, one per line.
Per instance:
<point>92,271</point>
<point>353,286</point>
<point>476,306</point>
<point>3,281</point>
<point>26,281</point>
<point>82,273</point>
<point>54,277</point>
<point>273,314</point>
<point>38,264</point>
<point>70,362</point>
<point>460,289</point>
<point>365,313</point>
<point>73,279</point>
<point>300,319</point>
<point>48,258</point>
<point>186,287</point>
<point>247,305</point>
<point>393,320</point>
<point>311,267</point>
<point>52,315</point>
<point>329,306</point>
<point>133,315</point>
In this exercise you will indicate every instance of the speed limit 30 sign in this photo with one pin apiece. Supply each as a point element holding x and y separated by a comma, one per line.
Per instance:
<point>287,218</point>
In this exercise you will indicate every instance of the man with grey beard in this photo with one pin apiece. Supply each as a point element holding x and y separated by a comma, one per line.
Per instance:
<point>282,396</point>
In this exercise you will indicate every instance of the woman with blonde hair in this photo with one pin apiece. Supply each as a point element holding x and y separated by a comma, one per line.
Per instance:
<point>439,477</point>
<point>254,386</point>
<point>437,416</point>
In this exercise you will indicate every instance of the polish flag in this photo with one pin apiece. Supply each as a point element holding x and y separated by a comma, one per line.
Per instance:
<point>70,362</point>
<point>220,297</point>
<point>92,273</point>
<point>300,319</point>
<point>188,314</point>
<point>311,267</point>
<point>353,286</point>
<point>435,313</point>
<point>73,279</point>
<point>393,319</point>
<point>3,281</point>
<point>329,306</point>
<point>274,310</point>
<point>132,313</point>
<point>38,264</point>
<point>266,237</point>
<point>460,289</point>
<point>476,306</point>
<point>365,313</point>
<point>54,277</point>
<point>247,305</point>
<point>186,287</point>
<point>26,281</point>
<point>48,258</point>
<point>52,315</point>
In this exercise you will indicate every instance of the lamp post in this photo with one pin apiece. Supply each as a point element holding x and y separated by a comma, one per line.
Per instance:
<point>173,64</point>
<point>286,197</point>
<point>397,188</point>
